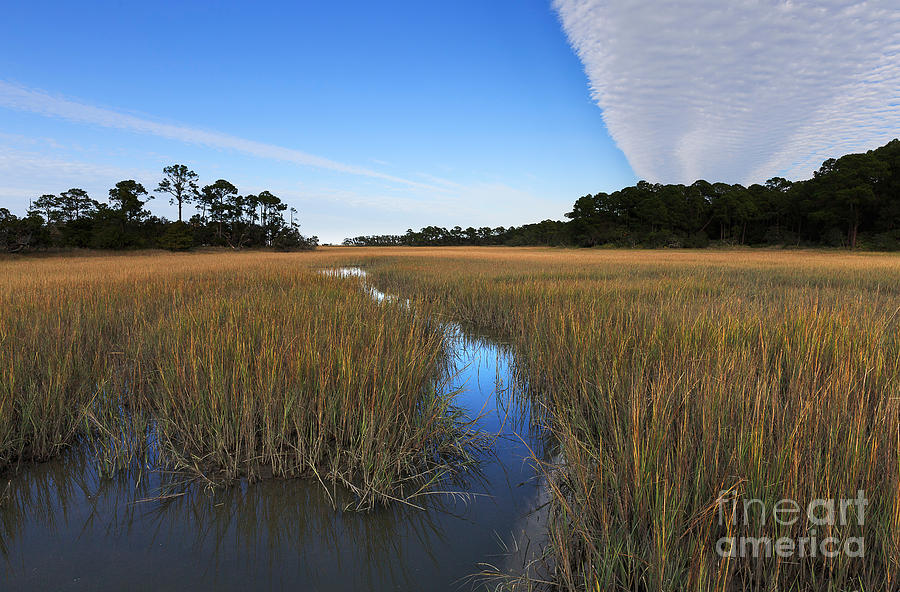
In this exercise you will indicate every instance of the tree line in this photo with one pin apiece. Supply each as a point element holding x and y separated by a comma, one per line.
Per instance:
<point>852,201</point>
<point>541,233</point>
<point>224,217</point>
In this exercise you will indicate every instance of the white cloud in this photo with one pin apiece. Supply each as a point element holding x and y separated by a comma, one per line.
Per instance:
<point>24,175</point>
<point>739,90</point>
<point>20,98</point>
<point>46,174</point>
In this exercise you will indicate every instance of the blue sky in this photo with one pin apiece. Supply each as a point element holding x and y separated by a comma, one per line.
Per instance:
<point>480,110</point>
<point>375,117</point>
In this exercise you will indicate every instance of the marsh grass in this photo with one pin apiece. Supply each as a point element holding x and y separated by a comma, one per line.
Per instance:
<point>666,377</point>
<point>253,365</point>
<point>670,377</point>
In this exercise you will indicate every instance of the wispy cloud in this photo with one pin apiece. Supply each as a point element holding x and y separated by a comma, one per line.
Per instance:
<point>20,98</point>
<point>56,174</point>
<point>24,175</point>
<point>30,166</point>
<point>739,91</point>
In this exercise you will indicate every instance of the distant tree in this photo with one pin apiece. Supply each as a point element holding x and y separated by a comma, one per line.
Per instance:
<point>76,203</point>
<point>778,184</point>
<point>270,214</point>
<point>212,199</point>
<point>181,183</point>
<point>846,188</point>
<point>126,197</point>
<point>268,205</point>
<point>240,213</point>
<point>17,234</point>
<point>9,231</point>
<point>49,206</point>
<point>177,237</point>
<point>121,224</point>
<point>219,204</point>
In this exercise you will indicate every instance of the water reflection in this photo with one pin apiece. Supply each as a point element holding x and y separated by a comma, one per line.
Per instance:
<point>63,526</point>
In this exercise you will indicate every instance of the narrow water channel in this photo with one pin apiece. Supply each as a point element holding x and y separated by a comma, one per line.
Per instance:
<point>63,528</point>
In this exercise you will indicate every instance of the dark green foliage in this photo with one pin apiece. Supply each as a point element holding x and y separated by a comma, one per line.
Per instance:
<point>548,232</point>
<point>19,234</point>
<point>290,239</point>
<point>180,183</point>
<point>76,204</point>
<point>177,237</point>
<point>851,198</point>
<point>226,218</point>
<point>121,224</point>
<point>126,196</point>
<point>852,201</point>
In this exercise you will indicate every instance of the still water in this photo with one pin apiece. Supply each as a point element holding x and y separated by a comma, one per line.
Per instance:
<point>63,528</point>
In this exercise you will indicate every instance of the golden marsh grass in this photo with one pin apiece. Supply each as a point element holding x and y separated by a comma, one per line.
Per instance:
<point>251,364</point>
<point>670,377</point>
<point>667,377</point>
